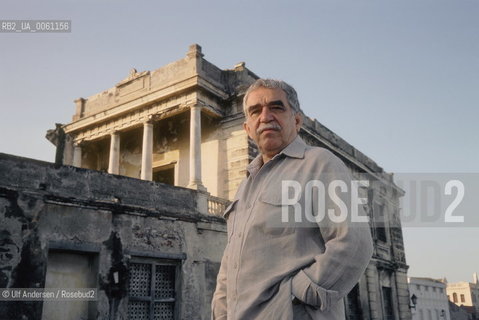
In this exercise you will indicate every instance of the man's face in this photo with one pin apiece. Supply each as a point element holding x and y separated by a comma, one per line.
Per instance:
<point>270,121</point>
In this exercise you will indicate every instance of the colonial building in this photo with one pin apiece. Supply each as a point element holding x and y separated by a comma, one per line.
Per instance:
<point>180,125</point>
<point>431,298</point>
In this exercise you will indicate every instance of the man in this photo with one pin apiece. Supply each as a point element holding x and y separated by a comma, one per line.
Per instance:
<point>288,264</point>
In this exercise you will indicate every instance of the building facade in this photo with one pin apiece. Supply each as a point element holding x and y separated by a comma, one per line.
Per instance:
<point>432,302</point>
<point>465,294</point>
<point>180,125</point>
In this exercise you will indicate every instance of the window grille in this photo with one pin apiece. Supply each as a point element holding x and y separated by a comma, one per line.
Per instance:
<point>138,310</point>
<point>152,291</point>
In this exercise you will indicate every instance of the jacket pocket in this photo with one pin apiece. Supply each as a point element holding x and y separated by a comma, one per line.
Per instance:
<point>270,215</point>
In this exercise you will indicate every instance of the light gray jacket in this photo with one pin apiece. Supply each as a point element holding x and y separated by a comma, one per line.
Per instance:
<point>267,261</point>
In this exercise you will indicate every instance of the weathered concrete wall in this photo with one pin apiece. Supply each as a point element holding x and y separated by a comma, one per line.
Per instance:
<point>44,207</point>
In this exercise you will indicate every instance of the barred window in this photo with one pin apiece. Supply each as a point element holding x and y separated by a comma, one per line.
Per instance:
<point>152,290</point>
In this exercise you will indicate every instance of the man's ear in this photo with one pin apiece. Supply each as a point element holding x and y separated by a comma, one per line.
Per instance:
<point>247,129</point>
<point>298,118</point>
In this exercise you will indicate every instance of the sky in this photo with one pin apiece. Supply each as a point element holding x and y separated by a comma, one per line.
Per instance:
<point>396,79</point>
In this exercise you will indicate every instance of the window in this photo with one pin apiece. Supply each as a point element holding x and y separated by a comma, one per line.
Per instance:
<point>433,289</point>
<point>381,232</point>
<point>152,288</point>
<point>353,304</point>
<point>462,298</point>
<point>379,216</point>
<point>454,297</point>
<point>388,304</point>
<point>418,287</point>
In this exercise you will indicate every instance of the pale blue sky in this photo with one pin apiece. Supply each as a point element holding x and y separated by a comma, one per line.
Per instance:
<point>397,79</point>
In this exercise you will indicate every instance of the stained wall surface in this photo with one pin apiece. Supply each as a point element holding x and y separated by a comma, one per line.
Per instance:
<point>97,225</point>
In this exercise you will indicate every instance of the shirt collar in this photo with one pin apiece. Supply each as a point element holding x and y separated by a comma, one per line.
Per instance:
<point>294,150</point>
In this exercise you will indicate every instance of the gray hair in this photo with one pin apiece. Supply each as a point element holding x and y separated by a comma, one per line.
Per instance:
<point>291,94</point>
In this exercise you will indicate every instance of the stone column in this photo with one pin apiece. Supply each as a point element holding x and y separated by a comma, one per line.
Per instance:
<point>195,149</point>
<point>114,163</point>
<point>68,151</point>
<point>76,155</point>
<point>147,152</point>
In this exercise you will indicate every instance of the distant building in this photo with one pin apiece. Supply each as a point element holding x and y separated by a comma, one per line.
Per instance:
<point>465,294</point>
<point>432,300</point>
<point>152,247</point>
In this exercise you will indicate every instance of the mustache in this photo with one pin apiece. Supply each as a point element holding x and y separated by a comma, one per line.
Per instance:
<point>268,126</point>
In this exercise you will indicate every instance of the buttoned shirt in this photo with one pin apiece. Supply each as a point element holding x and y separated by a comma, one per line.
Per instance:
<point>274,254</point>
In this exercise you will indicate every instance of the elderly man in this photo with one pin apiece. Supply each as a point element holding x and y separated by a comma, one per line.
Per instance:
<point>291,251</point>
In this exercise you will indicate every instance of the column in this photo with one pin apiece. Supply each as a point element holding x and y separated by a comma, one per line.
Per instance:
<point>195,149</point>
<point>76,155</point>
<point>114,162</point>
<point>147,152</point>
<point>68,151</point>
